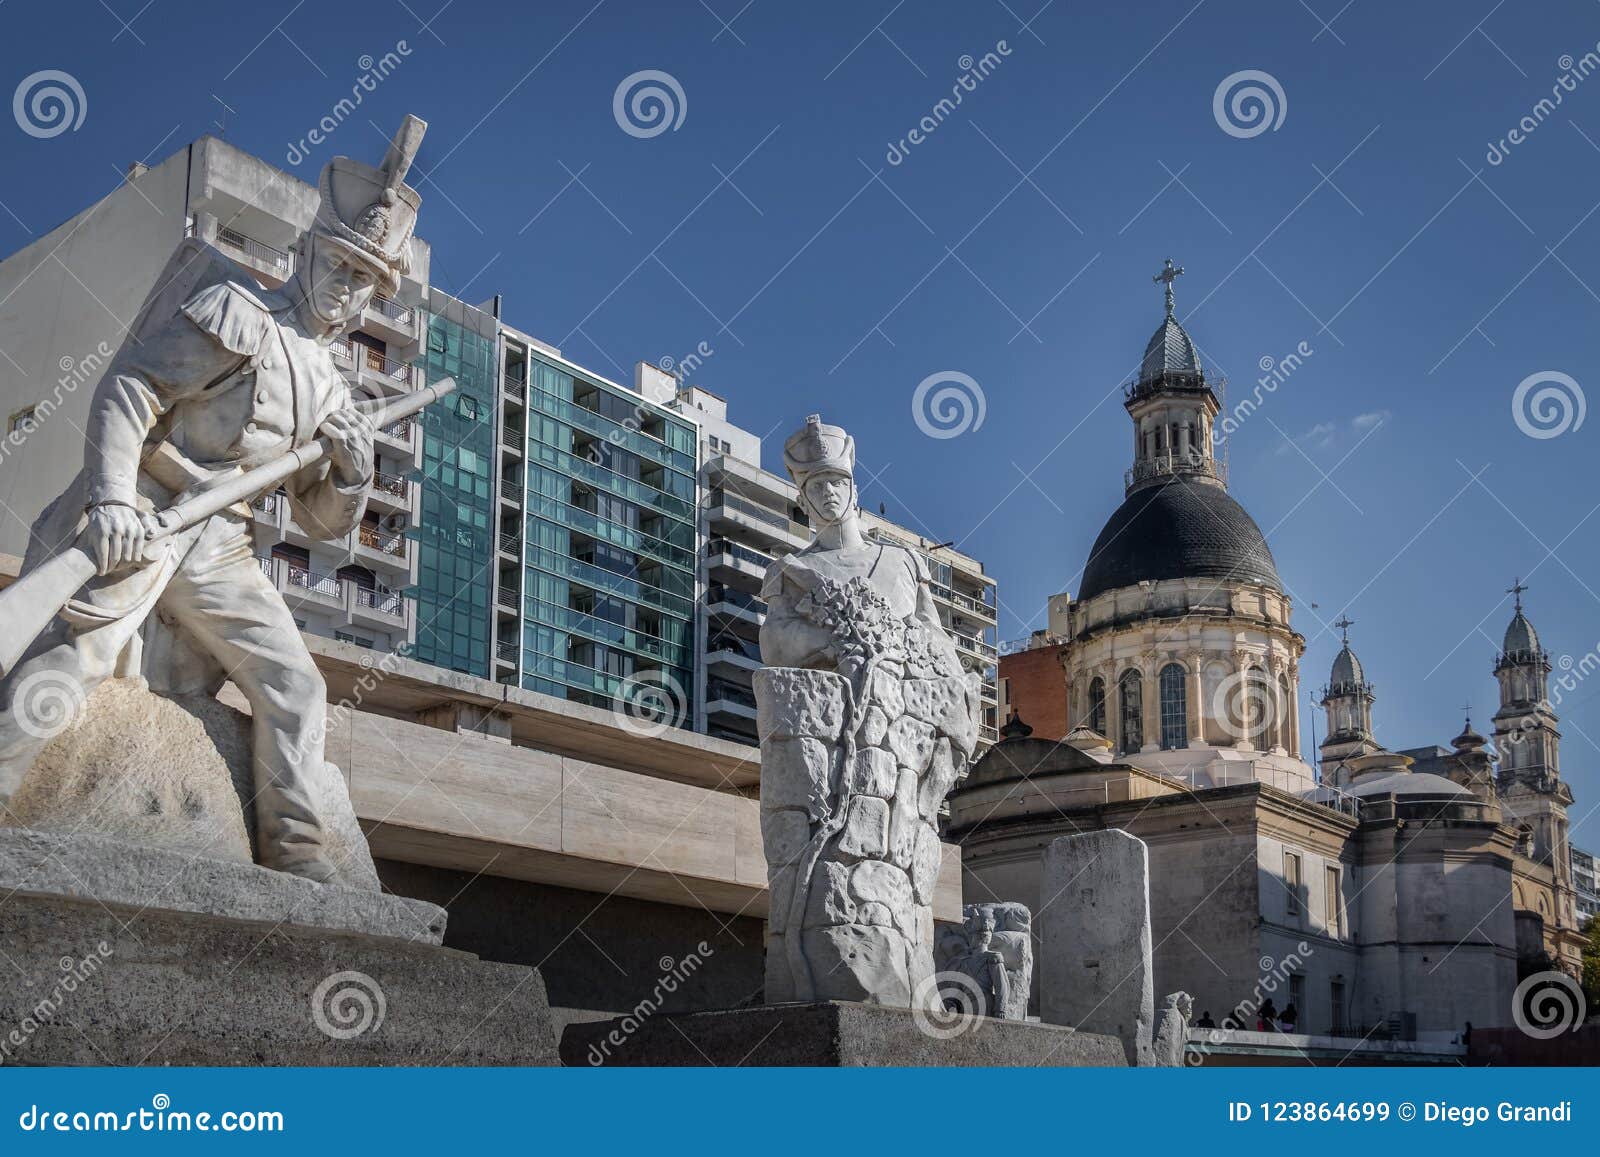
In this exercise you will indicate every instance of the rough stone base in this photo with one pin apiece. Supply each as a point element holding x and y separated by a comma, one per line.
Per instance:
<point>88,983</point>
<point>832,1034</point>
<point>115,871</point>
<point>172,772</point>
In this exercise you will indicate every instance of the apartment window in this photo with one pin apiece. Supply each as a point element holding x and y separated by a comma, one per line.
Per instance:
<point>1174,708</point>
<point>1291,882</point>
<point>1297,997</point>
<point>1334,900</point>
<point>22,421</point>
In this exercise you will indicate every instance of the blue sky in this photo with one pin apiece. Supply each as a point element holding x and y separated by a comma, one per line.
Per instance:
<point>1014,244</point>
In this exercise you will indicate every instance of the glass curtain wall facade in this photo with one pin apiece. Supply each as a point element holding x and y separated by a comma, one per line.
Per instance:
<point>609,501</point>
<point>456,546</point>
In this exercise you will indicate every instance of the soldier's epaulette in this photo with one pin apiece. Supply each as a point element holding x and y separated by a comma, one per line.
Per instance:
<point>231,314</point>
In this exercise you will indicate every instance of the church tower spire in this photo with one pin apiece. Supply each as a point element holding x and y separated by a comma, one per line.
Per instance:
<point>1348,700</point>
<point>1533,797</point>
<point>1172,405</point>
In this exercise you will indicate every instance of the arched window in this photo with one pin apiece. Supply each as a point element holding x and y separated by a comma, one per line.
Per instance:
<point>1174,708</point>
<point>1097,705</point>
<point>1130,693</point>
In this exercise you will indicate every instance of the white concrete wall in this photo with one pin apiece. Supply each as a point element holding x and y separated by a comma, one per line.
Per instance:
<point>68,295</point>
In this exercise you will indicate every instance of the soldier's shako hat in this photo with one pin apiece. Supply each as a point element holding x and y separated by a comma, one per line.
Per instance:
<point>816,448</point>
<point>371,212</point>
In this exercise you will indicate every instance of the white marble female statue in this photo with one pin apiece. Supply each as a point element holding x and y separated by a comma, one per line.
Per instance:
<point>866,717</point>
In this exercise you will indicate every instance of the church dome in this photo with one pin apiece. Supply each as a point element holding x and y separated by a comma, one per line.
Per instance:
<point>1346,669</point>
<point>1170,351</point>
<point>1181,528</point>
<point>1520,636</point>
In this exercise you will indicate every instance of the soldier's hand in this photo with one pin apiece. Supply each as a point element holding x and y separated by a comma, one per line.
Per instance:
<point>350,431</point>
<point>115,537</point>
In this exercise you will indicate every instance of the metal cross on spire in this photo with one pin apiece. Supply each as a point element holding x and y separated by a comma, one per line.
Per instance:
<point>1169,274</point>
<point>1344,623</point>
<point>1516,588</point>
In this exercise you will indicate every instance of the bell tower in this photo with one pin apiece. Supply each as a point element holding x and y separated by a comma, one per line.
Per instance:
<point>1533,797</point>
<point>1172,406</point>
<point>1348,701</point>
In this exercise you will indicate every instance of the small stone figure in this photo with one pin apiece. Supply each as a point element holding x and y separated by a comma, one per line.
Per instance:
<point>993,949</point>
<point>866,717</point>
<point>1172,1030</point>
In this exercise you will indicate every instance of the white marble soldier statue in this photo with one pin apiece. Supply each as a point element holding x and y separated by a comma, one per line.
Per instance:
<point>221,375</point>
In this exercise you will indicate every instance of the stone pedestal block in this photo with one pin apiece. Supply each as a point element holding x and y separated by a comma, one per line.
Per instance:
<point>95,983</point>
<point>1095,970</point>
<point>831,1034</point>
<point>115,871</point>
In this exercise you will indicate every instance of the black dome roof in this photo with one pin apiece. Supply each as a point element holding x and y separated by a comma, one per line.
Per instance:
<point>1179,529</point>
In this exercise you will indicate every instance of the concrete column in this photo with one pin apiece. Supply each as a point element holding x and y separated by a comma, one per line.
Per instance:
<point>1151,704</point>
<point>1195,697</point>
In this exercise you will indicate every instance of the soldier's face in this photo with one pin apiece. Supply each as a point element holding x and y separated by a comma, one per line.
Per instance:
<point>339,286</point>
<point>830,495</point>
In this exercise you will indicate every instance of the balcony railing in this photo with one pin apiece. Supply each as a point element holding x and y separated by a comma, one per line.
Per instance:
<point>743,553</point>
<point>384,602</point>
<point>758,512</point>
<point>513,437</point>
<point>1162,465</point>
<point>508,543</point>
<point>390,483</point>
<point>328,585</point>
<point>511,488</point>
<point>508,599</point>
<point>730,692</point>
<point>735,598</point>
<point>506,651</point>
<point>400,314</point>
<point>374,539</point>
<point>258,253</point>
<point>400,431</point>
<point>514,387</point>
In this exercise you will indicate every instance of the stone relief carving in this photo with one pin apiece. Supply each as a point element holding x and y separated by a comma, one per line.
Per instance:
<point>986,963</point>
<point>866,717</point>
